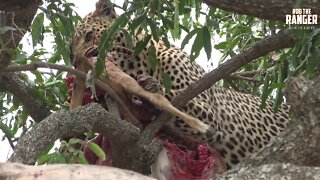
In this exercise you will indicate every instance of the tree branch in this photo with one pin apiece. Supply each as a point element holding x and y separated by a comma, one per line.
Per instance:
<point>123,135</point>
<point>69,123</point>
<point>281,40</point>
<point>67,172</point>
<point>37,109</point>
<point>269,10</point>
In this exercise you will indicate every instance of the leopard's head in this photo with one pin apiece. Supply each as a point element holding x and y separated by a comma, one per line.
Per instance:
<point>89,31</point>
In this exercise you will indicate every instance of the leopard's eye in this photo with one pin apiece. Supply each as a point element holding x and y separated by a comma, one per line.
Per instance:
<point>89,36</point>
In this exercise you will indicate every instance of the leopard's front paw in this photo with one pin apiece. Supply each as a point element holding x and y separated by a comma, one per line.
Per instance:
<point>150,84</point>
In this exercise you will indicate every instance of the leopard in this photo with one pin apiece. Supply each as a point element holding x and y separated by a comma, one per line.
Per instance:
<point>241,126</point>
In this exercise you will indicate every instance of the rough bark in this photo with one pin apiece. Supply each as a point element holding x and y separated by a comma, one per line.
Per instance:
<point>66,172</point>
<point>269,10</point>
<point>14,5</point>
<point>124,137</point>
<point>68,124</point>
<point>18,14</point>
<point>37,109</point>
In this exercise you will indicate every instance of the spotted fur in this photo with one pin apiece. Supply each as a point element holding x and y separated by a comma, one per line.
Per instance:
<point>242,128</point>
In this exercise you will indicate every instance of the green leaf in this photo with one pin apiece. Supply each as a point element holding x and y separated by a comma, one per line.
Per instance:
<point>58,158</point>
<point>278,100</point>
<point>37,29</point>
<point>166,41</point>
<point>313,61</point>
<point>81,159</point>
<point>106,40</point>
<point>128,39</point>
<point>152,57</point>
<point>277,86</point>
<point>46,150</point>
<point>186,20</point>
<point>167,82</point>
<point>153,28</point>
<point>6,130</point>
<point>52,83</point>
<point>38,75</point>
<point>23,117</point>
<point>73,141</point>
<point>96,149</point>
<point>188,37</point>
<point>176,29</point>
<point>137,22</point>
<point>207,41</point>
<point>66,26</point>
<point>166,22</point>
<point>198,9</point>
<point>21,58</point>
<point>44,158</point>
<point>221,45</point>
<point>125,5</point>
<point>141,45</point>
<point>63,49</point>
<point>197,46</point>
<point>16,103</point>
<point>234,42</point>
<point>265,91</point>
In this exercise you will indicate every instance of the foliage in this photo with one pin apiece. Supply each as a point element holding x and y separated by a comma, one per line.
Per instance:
<point>46,85</point>
<point>67,153</point>
<point>165,19</point>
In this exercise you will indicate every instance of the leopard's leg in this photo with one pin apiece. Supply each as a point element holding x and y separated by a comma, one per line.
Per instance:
<point>177,127</point>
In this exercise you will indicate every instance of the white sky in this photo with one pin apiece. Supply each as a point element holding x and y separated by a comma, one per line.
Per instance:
<point>83,7</point>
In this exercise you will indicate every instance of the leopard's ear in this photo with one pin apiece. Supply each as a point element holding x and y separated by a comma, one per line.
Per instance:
<point>105,8</point>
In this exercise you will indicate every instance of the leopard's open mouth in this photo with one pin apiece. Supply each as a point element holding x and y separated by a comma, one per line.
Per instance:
<point>92,54</point>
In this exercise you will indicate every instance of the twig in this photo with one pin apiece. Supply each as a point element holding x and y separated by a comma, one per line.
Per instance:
<point>10,142</point>
<point>237,77</point>
<point>246,73</point>
<point>297,69</point>
<point>36,65</point>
